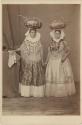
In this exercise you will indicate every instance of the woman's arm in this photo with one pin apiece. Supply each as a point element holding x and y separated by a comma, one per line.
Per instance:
<point>41,54</point>
<point>18,49</point>
<point>67,52</point>
<point>47,59</point>
<point>65,56</point>
<point>14,50</point>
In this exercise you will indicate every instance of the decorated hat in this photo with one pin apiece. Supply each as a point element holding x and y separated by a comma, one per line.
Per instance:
<point>57,24</point>
<point>32,22</point>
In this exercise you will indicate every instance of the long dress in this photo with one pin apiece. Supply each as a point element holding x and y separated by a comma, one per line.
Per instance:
<point>31,70</point>
<point>59,76</point>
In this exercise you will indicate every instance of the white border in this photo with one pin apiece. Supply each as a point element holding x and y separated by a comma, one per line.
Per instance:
<point>41,1</point>
<point>41,120</point>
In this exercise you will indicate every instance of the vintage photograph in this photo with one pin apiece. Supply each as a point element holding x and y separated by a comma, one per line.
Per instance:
<point>41,59</point>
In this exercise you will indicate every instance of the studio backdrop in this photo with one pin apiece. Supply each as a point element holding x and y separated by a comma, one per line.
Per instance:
<point>14,33</point>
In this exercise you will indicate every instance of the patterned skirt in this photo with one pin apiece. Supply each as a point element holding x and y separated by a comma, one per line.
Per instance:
<point>31,79</point>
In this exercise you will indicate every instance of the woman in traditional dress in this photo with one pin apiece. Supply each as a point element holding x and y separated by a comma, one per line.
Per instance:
<point>31,59</point>
<point>31,71</point>
<point>59,76</point>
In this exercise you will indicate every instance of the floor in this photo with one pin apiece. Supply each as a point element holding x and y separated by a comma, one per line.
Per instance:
<point>42,106</point>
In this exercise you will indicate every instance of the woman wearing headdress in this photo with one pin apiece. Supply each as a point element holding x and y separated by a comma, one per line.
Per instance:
<point>31,71</point>
<point>59,76</point>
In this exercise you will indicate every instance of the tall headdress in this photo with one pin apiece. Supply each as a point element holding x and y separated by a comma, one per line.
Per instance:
<point>32,22</point>
<point>57,24</point>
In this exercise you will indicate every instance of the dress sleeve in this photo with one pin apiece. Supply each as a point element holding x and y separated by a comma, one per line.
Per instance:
<point>66,47</point>
<point>67,51</point>
<point>41,52</point>
<point>47,59</point>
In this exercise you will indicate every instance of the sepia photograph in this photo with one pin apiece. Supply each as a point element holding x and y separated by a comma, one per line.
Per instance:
<point>41,59</point>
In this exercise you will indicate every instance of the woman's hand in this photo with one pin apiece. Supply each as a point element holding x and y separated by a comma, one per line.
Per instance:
<point>11,52</point>
<point>44,64</point>
<point>63,59</point>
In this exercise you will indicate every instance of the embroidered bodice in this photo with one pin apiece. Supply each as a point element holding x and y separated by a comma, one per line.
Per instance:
<point>31,50</point>
<point>57,49</point>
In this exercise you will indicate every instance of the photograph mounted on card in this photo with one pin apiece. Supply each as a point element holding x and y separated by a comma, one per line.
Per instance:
<point>41,59</point>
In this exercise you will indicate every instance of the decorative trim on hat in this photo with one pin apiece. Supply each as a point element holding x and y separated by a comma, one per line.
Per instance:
<point>57,24</point>
<point>32,22</point>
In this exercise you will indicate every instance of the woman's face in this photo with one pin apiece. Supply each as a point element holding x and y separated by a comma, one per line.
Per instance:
<point>57,34</point>
<point>32,33</point>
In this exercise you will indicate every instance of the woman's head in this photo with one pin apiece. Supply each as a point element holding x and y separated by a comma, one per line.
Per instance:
<point>57,33</point>
<point>32,32</point>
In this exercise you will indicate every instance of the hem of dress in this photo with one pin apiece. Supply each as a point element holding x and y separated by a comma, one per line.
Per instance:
<point>35,91</point>
<point>60,90</point>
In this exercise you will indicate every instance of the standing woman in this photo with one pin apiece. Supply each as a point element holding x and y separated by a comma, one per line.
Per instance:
<point>31,59</point>
<point>59,76</point>
<point>31,71</point>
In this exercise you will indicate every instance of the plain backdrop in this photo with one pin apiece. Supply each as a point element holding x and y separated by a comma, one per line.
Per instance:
<point>14,30</point>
